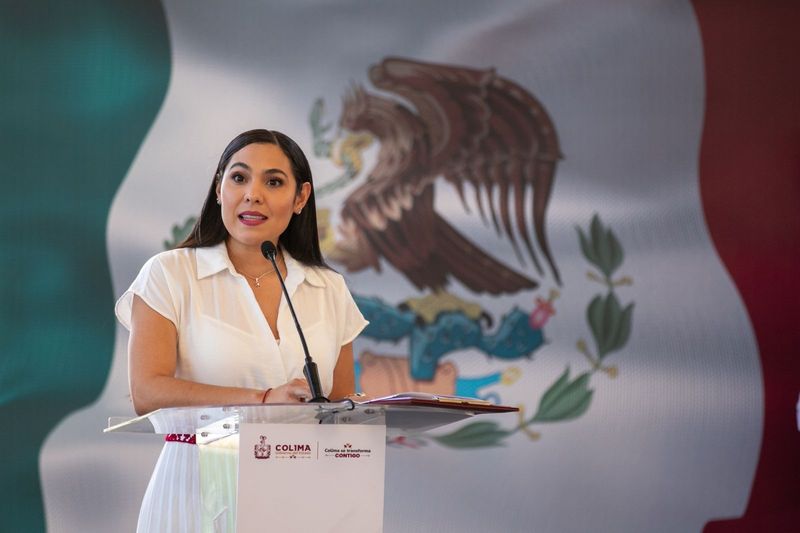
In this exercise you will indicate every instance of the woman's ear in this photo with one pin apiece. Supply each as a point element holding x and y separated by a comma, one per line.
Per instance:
<point>302,197</point>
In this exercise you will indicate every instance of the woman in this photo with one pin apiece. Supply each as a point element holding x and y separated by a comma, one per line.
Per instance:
<point>208,324</point>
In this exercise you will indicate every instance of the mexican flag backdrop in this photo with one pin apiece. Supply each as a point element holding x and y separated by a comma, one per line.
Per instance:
<point>629,171</point>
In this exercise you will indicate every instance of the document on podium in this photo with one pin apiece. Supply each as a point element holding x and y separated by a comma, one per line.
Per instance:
<point>439,400</point>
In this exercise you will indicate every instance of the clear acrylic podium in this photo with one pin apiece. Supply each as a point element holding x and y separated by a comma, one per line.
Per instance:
<point>309,444</point>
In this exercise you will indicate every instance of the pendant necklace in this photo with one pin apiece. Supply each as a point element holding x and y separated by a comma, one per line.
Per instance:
<point>257,279</point>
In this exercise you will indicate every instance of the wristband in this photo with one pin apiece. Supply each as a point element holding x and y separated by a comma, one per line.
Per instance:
<point>266,393</point>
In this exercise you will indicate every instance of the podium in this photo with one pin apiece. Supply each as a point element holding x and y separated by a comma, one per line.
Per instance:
<point>298,467</point>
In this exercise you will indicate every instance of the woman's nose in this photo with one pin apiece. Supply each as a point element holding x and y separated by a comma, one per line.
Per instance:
<point>254,195</point>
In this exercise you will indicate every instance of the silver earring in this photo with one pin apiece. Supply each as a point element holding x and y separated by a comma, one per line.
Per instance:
<point>219,202</point>
<point>299,211</point>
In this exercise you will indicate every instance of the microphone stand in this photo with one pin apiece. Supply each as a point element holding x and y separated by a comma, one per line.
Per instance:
<point>310,368</point>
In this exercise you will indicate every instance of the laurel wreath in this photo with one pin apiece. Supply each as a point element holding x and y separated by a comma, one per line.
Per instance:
<point>569,398</point>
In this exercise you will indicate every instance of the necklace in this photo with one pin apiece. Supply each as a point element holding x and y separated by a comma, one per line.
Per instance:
<point>257,279</point>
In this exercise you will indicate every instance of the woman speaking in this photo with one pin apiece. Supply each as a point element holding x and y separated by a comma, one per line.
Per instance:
<point>208,322</point>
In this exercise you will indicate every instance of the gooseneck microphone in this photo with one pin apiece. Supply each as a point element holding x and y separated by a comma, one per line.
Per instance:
<point>310,368</point>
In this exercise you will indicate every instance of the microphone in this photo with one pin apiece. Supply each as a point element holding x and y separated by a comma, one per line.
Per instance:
<point>310,368</point>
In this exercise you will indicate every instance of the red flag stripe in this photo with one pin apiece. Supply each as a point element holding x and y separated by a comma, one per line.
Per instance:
<point>750,187</point>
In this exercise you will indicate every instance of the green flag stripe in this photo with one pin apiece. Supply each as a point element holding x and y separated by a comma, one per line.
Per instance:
<point>81,83</point>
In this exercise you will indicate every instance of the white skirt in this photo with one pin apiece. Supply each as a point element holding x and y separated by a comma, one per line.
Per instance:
<point>172,503</point>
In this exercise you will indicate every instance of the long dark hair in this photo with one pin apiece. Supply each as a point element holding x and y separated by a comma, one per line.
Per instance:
<point>300,239</point>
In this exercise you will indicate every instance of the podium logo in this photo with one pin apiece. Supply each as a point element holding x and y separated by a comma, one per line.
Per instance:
<point>293,451</point>
<point>347,451</point>
<point>262,450</point>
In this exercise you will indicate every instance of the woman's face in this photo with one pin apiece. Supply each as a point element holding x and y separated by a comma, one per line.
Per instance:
<point>258,194</point>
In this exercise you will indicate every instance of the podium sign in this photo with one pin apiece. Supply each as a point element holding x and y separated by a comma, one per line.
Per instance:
<point>303,477</point>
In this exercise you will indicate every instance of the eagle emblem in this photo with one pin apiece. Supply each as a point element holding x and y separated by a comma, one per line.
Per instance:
<point>482,133</point>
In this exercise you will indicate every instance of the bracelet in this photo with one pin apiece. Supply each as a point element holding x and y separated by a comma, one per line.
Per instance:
<point>266,393</point>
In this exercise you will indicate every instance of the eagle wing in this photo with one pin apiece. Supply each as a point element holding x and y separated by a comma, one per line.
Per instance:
<point>486,131</point>
<point>398,222</point>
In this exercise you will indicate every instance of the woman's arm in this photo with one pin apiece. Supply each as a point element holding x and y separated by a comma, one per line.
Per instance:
<point>152,360</point>
<point>344,381</point>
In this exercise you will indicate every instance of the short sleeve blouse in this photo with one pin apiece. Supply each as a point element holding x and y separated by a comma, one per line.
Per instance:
<point>224,338</point>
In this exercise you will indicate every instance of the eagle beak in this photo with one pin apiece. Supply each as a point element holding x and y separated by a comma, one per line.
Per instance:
<point>347,151</point>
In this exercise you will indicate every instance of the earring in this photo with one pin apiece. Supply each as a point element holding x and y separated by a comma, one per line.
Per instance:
<point>298,211</point>
<point>219,202</point>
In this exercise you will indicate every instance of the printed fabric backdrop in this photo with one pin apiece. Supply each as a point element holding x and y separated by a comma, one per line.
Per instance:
<point>585,209</point>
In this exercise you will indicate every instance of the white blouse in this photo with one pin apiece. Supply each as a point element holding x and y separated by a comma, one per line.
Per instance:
<point>224,338</point>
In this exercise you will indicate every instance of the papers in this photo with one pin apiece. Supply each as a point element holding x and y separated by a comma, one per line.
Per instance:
<point>438,400</point>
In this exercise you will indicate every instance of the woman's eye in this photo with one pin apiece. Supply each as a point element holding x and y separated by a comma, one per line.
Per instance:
<point>274,182</point>
<point>237,178</point>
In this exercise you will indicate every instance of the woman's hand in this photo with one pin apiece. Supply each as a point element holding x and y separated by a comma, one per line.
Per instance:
<point>359,397</point>
<point>295,391</point>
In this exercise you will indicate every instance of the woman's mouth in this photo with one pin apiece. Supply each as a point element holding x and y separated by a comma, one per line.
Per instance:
<point>252,218</point>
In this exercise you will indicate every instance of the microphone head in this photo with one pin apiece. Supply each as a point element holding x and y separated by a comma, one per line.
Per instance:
<point>268,249</point>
